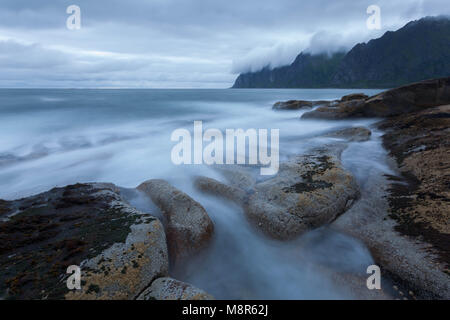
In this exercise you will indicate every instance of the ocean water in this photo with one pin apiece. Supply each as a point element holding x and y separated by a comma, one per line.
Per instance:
<point>53,138</point>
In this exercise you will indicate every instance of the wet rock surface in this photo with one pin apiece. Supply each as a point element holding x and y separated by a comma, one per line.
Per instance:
<point>404,219</point>
<point>355,134</point>
<point>188,226</point>
<point>410,98</point>
<point>171,289</point>
<point>300,104</point>
<point>119,249</point>
<point>354,96</point>
<point>308,191</point>
<point>420,200</point>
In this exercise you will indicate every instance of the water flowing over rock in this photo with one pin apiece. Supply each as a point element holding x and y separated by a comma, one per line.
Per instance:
<point>189,227</point>
<point>171,289</point>
<point>119,249</point>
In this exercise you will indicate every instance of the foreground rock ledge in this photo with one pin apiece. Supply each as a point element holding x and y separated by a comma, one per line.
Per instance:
<point>189,227</point>
<point>171,289</point>
<point>119,249</point>
<point>404,219</point>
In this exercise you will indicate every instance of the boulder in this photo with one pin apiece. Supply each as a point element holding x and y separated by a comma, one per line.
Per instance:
<point>308,191</point>
<point>119,249</point>
<point>188,226</point>
<point>171,289</point>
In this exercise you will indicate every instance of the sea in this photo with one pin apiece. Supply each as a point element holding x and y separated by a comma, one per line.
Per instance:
<point>56,137</point>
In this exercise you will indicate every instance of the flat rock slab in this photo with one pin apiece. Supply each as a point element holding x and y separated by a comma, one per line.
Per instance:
<point>119,249</point>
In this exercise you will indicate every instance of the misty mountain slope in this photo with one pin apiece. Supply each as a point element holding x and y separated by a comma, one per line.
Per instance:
<point>418,51</point>
<point>306,71</point>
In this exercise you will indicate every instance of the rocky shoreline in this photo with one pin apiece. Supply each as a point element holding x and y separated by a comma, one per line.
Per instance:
<point>128,254</point>
<point>408,227</point>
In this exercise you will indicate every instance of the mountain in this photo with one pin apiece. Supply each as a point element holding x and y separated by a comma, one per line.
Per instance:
<point>418,51</point>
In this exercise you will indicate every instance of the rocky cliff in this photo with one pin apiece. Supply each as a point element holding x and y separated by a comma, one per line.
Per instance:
<point>418,51</point>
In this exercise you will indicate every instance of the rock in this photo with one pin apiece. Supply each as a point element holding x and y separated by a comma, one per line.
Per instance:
<point>189,227</point>
<point>171,289</point>
<point>342,110</point>
<point>4,207</point>
<point>299,104</point>
<point>238,176</point>
<point>214,187</point>
<point>357,287</point>
<point>355,134</point>
<point>410,98</point>
<point>308,191</point>
<point>404,219</point>
<point>120,250</point>
<point>420,142</point>
<point>354,96</point>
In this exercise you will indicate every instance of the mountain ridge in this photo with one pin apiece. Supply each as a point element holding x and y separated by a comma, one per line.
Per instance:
<point>418,51</point>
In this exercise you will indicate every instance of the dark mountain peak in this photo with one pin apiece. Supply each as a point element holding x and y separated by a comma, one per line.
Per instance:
<point>419,50</point>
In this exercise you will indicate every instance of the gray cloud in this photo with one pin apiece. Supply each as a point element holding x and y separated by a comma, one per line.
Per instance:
<point>179,43</point>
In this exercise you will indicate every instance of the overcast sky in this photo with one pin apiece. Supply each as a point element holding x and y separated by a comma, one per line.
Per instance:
<point>179,43</point>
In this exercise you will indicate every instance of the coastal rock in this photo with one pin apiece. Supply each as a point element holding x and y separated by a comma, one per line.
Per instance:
<point>238,176</point>
<point>214,187</point>
<point>171,289</point>
<point>404,218</point>
<point>410,98</point>
<point>420,142</point>
<point>3,207</point>
<point>188,226</point>
<point>354,96</point>
<point>356,285</point>
<point>120,250</point>
<point>355,134</point>
<point>342,110</point>
<point>308,191</point>
<point>299,104</point>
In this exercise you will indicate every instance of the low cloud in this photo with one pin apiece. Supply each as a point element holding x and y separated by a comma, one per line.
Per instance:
<point>272,57</point>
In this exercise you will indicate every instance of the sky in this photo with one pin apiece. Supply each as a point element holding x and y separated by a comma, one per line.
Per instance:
<point>179,43</point>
